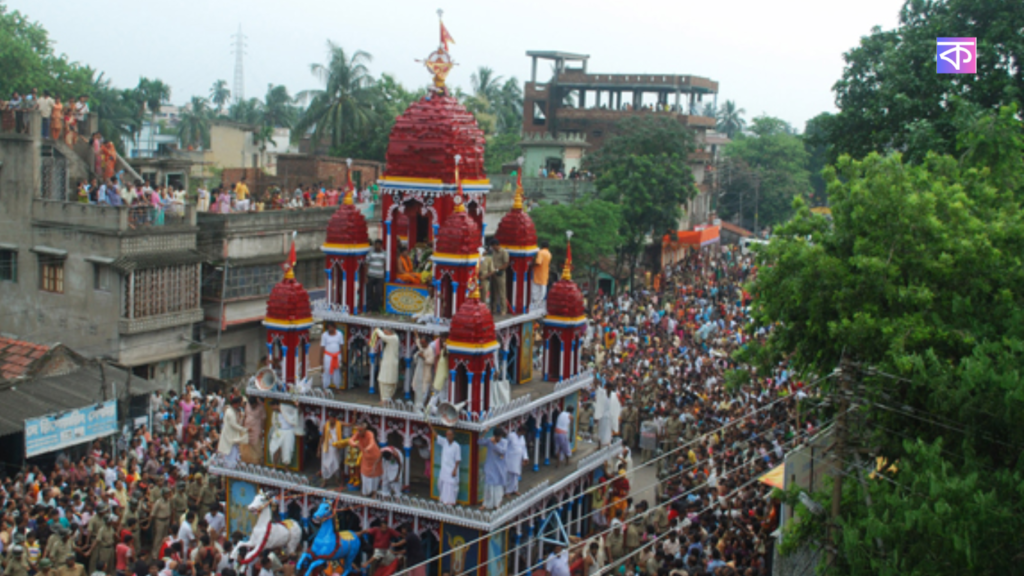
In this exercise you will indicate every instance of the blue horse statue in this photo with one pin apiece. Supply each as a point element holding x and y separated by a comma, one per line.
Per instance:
<point>329,546</point>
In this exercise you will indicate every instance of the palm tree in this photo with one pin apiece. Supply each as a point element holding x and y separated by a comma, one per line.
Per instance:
<point>710,110</point>
<point>194,125</point>
<point>730,119</point>
<point>151,94</point>
<point>509,107</point>
<point>115,109</point>
<point>246,111</point>
<point>220,95</point>
<point>345,104</point>
<point>277,107</point>
<point>485,84</point>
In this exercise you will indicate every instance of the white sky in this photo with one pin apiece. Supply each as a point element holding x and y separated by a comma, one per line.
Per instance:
<point>779,58</point>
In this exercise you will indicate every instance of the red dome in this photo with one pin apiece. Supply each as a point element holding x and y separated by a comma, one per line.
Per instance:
<point>348,227</point>
<point>426,138</point>
<point>472,324</point>
<point>289,302</point>
<point>516,230</point>
<point>458,235</point>
<point>565,300</point>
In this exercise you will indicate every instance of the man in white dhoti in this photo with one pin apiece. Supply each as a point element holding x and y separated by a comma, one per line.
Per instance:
<point>606,413</point>
<point>282,432</point>
<point>331,343</point>
<point>387,378</point>
<point>448,479</point>
<point>232,434</point>
<point>515,458</point>
<point>441,374</point>
<point>391,483</point>
<point>494,468</point>
<point>423,375</point>
<point>330,454</point>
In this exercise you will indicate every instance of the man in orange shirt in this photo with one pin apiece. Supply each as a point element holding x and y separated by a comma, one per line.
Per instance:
<point>540,273</point>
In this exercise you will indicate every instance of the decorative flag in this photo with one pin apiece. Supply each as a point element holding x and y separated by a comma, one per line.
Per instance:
<point>446,38</point>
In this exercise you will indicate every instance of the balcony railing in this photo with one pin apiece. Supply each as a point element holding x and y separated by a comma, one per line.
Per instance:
<point>112,218</point>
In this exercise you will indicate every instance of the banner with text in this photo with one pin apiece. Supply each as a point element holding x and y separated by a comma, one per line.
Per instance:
<point>58,431</point>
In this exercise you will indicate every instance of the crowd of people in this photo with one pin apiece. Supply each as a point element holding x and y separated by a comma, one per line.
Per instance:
<point>59,118</point>
<point>659,353</point>
<point>236,197</point>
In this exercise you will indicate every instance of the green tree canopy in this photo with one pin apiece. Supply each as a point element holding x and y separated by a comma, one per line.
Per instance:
<point>343,107</point>
<point>595,226</point>
<point>891,98</point>
<point>645,135</point>
<point>27,60</point>
<point>918,279</point>
<point>650,191</point>
<point>763,173</point>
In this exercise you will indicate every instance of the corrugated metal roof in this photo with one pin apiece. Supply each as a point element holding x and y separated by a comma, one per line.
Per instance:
<point>35,397</point>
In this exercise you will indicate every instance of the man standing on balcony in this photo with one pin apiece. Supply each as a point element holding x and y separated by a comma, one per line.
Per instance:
<point>540,273</point>
<point>45,106</point>
<point>331,343</point>
<point>375,276</point>
<point>242,195</point>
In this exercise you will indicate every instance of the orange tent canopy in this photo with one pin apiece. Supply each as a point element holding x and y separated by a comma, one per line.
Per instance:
<point>701,236</point>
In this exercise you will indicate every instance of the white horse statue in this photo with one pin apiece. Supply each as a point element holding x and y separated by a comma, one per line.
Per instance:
<point>266,534</point>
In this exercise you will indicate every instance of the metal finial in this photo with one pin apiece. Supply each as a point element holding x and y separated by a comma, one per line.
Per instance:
<point>458,159</point>
<point>440,13</point>
<point>348,162</point>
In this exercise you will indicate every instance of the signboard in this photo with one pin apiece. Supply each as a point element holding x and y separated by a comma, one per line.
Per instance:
<point>239,517</point>
<point>59,431</point>
<point>405,299</point>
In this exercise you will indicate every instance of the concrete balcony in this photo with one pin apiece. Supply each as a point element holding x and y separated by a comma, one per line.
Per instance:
<point>151,323</point>
<point>602,115</point>
<point>112,219</point>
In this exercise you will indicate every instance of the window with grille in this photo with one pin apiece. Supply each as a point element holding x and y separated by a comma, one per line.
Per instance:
<point>310,273</point>
<point>232,363</point>
<point>103,278</point>
<point>166,290</point>
<point>9,265</point>
<point>51,274</point>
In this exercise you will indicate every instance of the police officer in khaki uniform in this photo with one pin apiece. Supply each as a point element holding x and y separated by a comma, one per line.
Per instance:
<point>616,542</point>
<point>161,514</point>
<point>207,497</point>
<point>70,567</point>
<point>16,562</point>
<point>106,540</point>
<point>499,263</point>
<point>179,502</point>
<point>673,430</point>
<point>195,486</point>
<point>131,513</point>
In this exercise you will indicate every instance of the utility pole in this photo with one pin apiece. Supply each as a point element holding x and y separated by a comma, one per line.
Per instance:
<point>839,455</point>
<point>757,204</point>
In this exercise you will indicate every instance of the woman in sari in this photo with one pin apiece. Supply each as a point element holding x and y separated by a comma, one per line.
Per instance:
<point>109,156</point>
<point>56,119</point>
<point>70,126</point>
<point>97,153</point>
<point>157,205</point>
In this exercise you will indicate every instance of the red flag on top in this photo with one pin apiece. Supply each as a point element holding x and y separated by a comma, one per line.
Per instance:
<point>446,38</point>
<point>289,264</point>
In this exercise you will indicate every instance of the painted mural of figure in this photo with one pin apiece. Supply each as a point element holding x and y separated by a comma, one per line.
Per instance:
<point>232,434</point>
<point>423,375</point>
<point>391,482</point>
<point>516,457</point>
<point>451,456</point>
<point>330,454</point>
<point>387,379</point>
<point>494,469</point>
<point>282,432</point>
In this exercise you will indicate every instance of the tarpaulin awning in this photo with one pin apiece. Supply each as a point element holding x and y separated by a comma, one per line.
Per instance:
<point>776,477</point>
<point>701,236</point>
